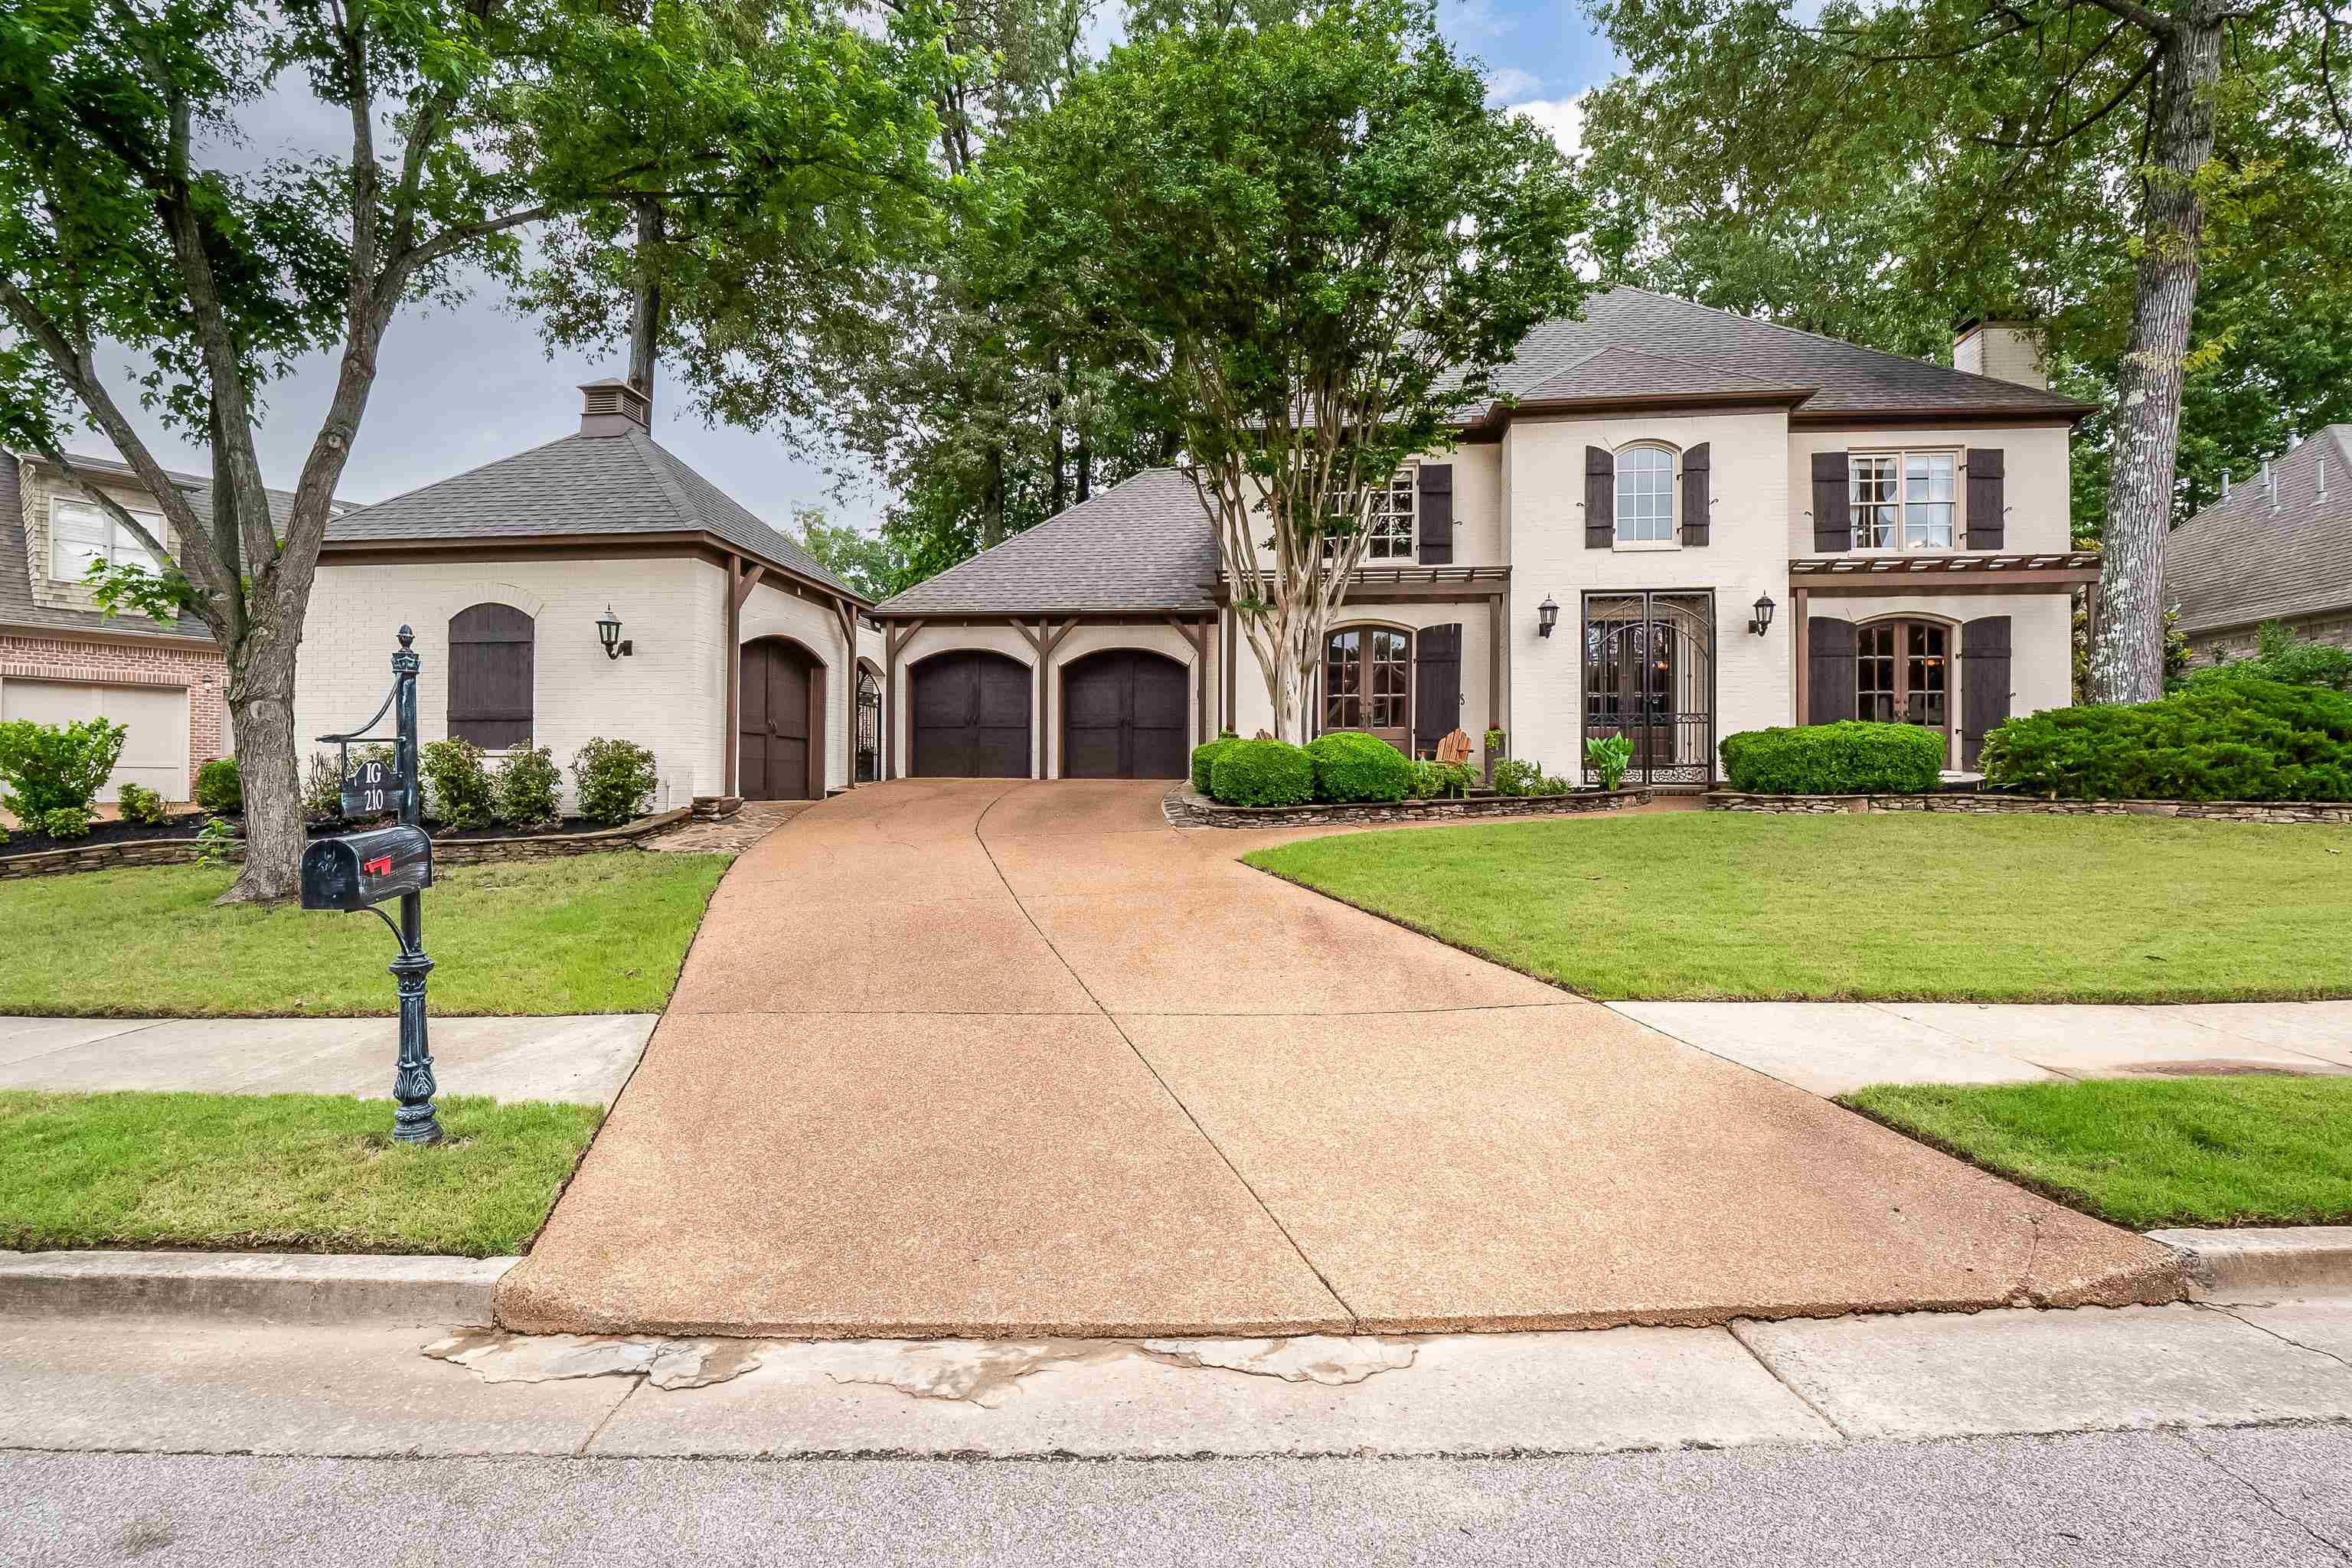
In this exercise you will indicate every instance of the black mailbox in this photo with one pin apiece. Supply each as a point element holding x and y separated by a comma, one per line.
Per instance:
<point>358,869</point>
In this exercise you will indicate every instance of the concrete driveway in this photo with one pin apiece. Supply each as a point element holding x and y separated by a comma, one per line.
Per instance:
<point>988,1057</point>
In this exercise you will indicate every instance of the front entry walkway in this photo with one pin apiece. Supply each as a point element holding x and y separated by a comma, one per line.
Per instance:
<point>993,1057</point>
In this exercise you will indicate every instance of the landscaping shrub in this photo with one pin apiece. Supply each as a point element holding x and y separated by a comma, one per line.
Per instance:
<point>220,786</point>
<point>615,780</point>
<point>457,790</point>
<point>1850,757</point>
<point>49,767</point>
<point>1350,765</point>
<point>530,789</point>
<point>1515,775</point>
<point>1440,781</point>
<point>322,788</point>
<point>140,805</point>
<point>1610,756</point>
<point>66,822</point>
<point>2280,656</point>
<point>1204,759</point>
<point>2225,736</point>
<point>1262,773</point>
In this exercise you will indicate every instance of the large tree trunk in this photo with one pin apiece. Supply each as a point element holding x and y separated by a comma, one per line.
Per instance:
<point>644,327</point>
<point>2127,658</point>
<point>261,706</point>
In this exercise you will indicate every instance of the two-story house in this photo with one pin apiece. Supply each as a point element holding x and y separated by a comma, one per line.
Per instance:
<point>1673,523</point>
<point>61,660</point>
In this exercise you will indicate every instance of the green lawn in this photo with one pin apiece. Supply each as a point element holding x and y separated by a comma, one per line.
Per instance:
<point>592,934</point>
<point>279,1172</point>
<point>1734,905</point>
<point>2190,1151</point>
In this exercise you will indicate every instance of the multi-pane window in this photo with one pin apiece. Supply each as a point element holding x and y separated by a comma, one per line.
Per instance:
<point>81,532</point>
<point>1902,673</point>
<point>1389,526</point>
<point>1903,500</point>
<point>1645,495</point>
<point>1367,674</point>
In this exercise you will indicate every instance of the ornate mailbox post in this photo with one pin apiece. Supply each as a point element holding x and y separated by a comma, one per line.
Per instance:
<point>361,870</point>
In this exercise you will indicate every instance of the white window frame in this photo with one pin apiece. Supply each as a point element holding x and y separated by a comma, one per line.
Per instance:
<point>121,546</point>
<point>1394,519</point>
<point>1899,476</point>
<point>1673,517</point>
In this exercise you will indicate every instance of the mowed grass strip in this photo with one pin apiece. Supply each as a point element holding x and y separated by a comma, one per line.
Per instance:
<point>590,934</point>
<point>279,1172</point>
<point>2187,1151</point>
<point>1738,906</point>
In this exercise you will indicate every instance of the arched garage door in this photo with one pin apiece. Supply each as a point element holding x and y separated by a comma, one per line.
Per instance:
<point>971,716</point>
<point>1124,716</point>
<point>782,722</point>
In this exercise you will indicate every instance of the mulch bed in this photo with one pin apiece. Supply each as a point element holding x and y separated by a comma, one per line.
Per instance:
<point>24,841</point>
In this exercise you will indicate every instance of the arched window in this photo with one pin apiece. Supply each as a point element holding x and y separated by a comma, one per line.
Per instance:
<point>1645,495</point>
<point>490,669</point>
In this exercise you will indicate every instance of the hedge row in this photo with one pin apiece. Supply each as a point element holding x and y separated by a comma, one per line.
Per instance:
<point>1850,757</point>
<point>1345,765</point>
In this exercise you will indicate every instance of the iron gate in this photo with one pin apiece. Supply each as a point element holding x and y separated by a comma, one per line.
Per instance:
<point>1649,676</point>
<point>869,727</point>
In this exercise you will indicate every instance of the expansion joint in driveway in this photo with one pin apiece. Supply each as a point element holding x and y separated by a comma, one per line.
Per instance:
<point>1355,1319</point>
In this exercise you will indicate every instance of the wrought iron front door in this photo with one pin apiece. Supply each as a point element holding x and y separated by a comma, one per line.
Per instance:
<point>1649,676</point>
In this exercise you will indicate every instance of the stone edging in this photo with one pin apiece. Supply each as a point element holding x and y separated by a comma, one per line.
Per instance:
<point>2336,812</point>
<point>449,852</point>
<point>1185,809</point>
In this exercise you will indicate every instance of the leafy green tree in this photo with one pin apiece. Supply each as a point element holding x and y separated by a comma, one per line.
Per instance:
<point>129,216</point>
<point>1295,245</point>
<point>2106,165</point>
<point>870,563</point>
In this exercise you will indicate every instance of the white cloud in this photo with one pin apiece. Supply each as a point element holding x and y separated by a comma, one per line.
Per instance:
<point>1508,84</point>
<point>1563,117</point>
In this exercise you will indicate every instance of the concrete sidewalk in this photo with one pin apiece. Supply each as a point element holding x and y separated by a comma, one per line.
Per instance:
<point>584,1059</point>
<point>1832,1048</point>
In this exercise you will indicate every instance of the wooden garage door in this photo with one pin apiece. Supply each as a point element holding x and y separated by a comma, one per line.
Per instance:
<point>154,719</point>
<point>1124,716</point>
<point>778,722</point>
<point>971,716</point>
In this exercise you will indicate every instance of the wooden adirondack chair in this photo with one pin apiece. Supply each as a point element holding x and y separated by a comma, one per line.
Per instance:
<point>1454,750</point>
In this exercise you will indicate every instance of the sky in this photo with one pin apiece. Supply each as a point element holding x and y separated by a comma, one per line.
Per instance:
<point>459,387</point>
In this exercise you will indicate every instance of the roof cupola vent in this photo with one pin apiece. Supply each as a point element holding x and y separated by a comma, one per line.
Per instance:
<point>613,409</point>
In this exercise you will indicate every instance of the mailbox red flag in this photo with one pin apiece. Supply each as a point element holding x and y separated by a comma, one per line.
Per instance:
<point>379,867</point>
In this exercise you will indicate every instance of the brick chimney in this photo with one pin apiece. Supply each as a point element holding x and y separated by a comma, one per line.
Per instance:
<point>612,408</point>
<point>2004,350</point>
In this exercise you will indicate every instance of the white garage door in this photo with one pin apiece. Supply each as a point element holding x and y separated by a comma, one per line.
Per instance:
<point>156,746</point>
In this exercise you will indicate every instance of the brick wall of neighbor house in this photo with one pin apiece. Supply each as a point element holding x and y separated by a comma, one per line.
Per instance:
<point>197,668</point>
<point>668,696</point>
<point>2240,642</point>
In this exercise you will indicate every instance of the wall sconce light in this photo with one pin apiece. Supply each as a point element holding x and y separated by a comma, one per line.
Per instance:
<point>608,632</point>
<point>1547,616</point>
<point>1761,622</point>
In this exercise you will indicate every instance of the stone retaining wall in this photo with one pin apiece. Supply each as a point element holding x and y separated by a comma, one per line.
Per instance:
<point>1185,809</point>
<point>2336,812</point>
<point>445,852</point>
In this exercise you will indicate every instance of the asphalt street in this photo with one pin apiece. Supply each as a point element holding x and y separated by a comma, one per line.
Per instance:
<point>2248,1497</point>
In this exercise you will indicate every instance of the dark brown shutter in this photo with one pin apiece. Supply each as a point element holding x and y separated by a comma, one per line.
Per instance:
<point>1697,494</point>
<point>490,673</point>
<point>1600,497</point>
<point>1436,507</point>
<point>1436,685</point>
<point>1984,678</point>
<point>1832,503</point>
<point>1829,669</point>
<point>1988,498</point>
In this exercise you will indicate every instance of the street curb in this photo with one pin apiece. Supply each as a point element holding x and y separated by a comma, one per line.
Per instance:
<point>2261,1257</point>
<point>253,1286</point>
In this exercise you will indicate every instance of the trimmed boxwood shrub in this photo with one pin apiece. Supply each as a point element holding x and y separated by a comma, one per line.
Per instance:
<point>1850,757</point>
<point>615,780</point>
<point>1204,759</point>
<point>2224,737</point>
<point>458,792</point>
<point>1351,765</point>
<point>1262,773</point>
<point>219,785</point>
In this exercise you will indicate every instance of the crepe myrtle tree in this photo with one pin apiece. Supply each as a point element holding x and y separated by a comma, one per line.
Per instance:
<point>133,215</point>
<point>1300,243</point>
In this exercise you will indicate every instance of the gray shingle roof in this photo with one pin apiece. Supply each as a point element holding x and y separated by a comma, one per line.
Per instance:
<point>1144,544</point>
<point>579,485</point>
<point>1850,379</point>
<point>18,606</point>
<point>1621,371</point>
<point>2238,562</point>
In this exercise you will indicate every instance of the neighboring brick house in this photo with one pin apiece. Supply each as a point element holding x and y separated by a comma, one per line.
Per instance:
<point>61,660</point>
<point>2276,548</point>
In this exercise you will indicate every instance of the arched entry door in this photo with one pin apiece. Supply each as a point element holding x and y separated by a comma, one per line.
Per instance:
<point>781,724</point>
<point>1649,676</point>
<point>1124,716</point>
<point>971,716</point>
